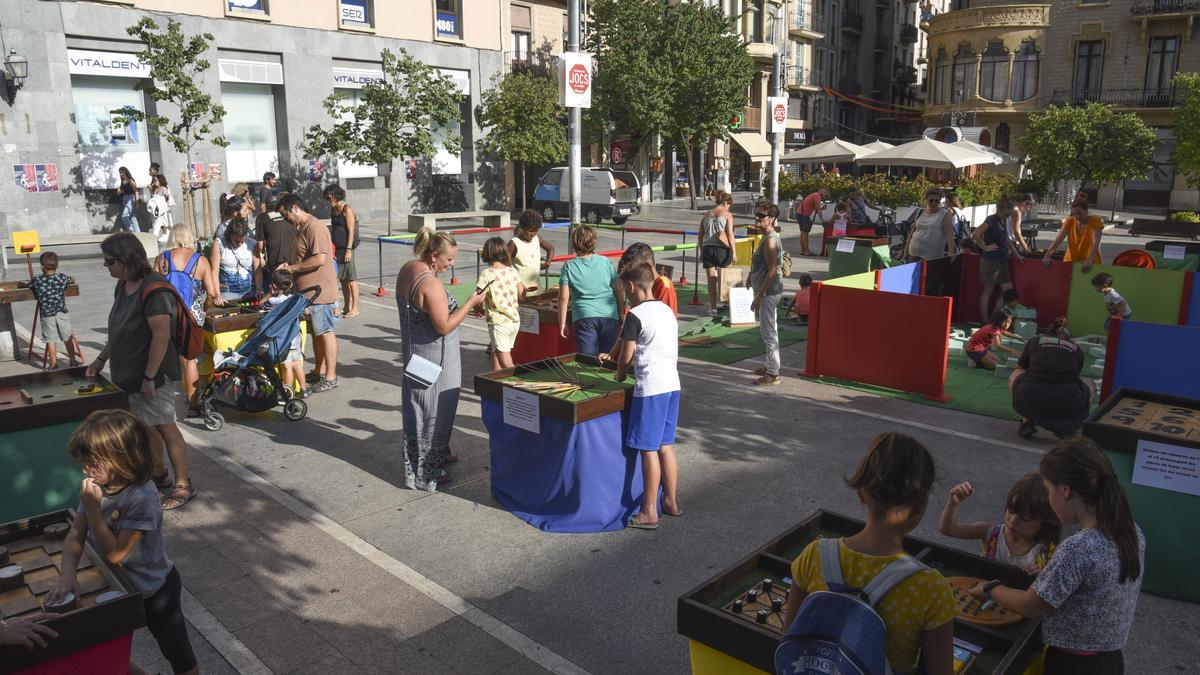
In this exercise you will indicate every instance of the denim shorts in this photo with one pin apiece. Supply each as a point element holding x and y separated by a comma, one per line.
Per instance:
<point>596,334</point>
<point>323,318</point>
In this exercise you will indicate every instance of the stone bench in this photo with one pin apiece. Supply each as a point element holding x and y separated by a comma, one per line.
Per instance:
<point>74,246</point>
<point>416,221</point>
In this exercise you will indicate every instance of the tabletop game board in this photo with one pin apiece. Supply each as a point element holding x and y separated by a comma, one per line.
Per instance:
<point>573,388</point>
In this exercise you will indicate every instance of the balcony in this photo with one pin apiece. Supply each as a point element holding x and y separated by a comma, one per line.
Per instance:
<point>807,25</point>
<point>763,52</point>
<point>883,42</point>
<point>852,22</point>
<point>533,63</point>
<point>990,18</point>
<point>906,75</point>
<point>908,34</point>
<point>1151,97</point>
<point>801,78</point>
<point>1164,8</point>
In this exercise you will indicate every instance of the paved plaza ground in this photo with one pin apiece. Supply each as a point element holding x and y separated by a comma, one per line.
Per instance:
<point>303,553</point>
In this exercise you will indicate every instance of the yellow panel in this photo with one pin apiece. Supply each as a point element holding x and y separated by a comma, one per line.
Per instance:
<point>745,248</point>
<point>232,339</point>
<point>863,280</point>
<point>709,661</point>
<point>25,238</point>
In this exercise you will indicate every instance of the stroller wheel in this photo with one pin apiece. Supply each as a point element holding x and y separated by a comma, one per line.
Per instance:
<point>286,393</point>
<point>295,409</point>
<point>213,421</point>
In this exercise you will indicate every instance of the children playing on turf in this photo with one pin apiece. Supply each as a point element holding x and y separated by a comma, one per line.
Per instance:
<point>282,284</point>
<point>893,481</point>
<point>50,289</point>
<point>650,346</point>
<point>525,249</point>
<point>120,515</point>
<point>1025,538</point>
<point>664,288</point>
<point>840,220</point>
<point>1114,302</point>
<point>978,349</point>
<point>1088,592</point>
<point>800,301</point>
<point>502,289</point>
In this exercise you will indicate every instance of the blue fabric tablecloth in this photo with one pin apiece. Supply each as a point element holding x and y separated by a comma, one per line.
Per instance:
<point>568,478</point>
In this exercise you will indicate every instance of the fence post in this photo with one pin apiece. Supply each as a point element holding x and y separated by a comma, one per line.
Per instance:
<point>380,291</point>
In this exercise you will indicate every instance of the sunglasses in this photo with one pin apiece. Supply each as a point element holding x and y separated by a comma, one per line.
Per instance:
<point>760,216</point>
<point>109,262</point>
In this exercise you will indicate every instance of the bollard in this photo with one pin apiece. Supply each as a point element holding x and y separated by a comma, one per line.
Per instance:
<point>380,292</point>
<point>453,279</point>
<point>683,268</point>
<point>478,259</point>
<point>696,273</point>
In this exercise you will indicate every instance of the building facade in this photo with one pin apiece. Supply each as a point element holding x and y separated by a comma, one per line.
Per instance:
<point>993,64</point>
<point>273,64</point>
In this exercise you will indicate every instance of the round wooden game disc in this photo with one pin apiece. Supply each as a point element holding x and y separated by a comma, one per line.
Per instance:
<point>66,604</point>
<point>56,531</point>
<point>11,576</point>
<point>4,556</point>
<point>109,597</point>
<point>88,389</point>
<point>971,611</point>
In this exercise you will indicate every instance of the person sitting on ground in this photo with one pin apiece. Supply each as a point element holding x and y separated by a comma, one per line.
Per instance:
<point>986,337</point>
<point>717,249</point>
<point>893,480</point>
<point>589,287</point>
<point>525,249</point>
<point>800,301</point>
<point>1083,233</point>
<point>50,289</point>
<point>502,292</point>
<point>1046,387</point>
<point>1025,538</point>
<point>1114,302</point>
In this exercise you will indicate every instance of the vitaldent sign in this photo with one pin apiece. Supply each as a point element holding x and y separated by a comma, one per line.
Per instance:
<point>355,78</point>
<point>105,64</point>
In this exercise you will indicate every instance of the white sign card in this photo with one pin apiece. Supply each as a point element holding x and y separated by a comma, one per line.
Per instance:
<point>1167,467</point>
<point>105,64</point>
<point>778,106</point>
<point>575,80</point>
<point>530,322</point>
<point>522,410</point>
<point>740,300</point>
<point>845,245</point>
<point>1174,252</point>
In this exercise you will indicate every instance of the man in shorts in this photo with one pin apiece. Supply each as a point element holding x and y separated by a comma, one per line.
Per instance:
<point>314,267</point>
<point>810,207</point>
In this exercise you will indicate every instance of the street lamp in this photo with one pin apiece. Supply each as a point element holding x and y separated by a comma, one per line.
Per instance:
<point>16,69</point>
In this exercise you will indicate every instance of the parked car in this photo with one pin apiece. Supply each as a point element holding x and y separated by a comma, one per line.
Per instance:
<point>607,194</point>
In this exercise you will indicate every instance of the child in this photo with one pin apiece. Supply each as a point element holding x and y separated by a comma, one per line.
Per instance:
<point>1028,534</point>
<point>293,366</point>
<point>664,288</point>
<point>525,249</point>
<point>1012,301</point>
<point>1088,592</point>
<point>988,336</point>
<point>840,220</point>
<point>120,515</point>
<point>50,289</point>
<point>1114,302</point>
<point>502,289</point>
<point>650,345</point>
<point>800,302</point>
<point>893,481</point>
<point>588,286</point>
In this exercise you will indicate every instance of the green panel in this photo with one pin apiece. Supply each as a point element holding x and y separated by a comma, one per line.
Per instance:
<point>863,280</point>
<point>1171,523</point>
<point>1153,295</point>
<point>1190,263</point>
<point>36,475</point>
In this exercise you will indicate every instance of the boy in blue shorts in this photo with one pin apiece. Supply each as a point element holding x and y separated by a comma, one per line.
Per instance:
<point>650,345</point>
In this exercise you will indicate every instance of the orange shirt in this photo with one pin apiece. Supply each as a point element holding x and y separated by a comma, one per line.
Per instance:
<point>1080,239</point>
<point>664,291</point>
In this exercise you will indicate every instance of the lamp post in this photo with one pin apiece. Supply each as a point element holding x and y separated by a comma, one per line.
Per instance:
<point>16,69</point>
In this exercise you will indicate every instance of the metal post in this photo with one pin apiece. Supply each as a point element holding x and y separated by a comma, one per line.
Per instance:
<point>776,138</point>
<point>574,127</point>
<point>380,291</point>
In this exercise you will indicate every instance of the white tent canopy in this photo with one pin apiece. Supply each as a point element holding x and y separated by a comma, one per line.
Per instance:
<point>931,154</point>
<point>1004,157</point>
<point>833,151</point>
<point>878,146</point>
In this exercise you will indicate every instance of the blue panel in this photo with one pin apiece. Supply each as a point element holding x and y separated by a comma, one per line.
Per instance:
<point>901,279</point>
<point>1193,315</point>
<point>1159,358</point>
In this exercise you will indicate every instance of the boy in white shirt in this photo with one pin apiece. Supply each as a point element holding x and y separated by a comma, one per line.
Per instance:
<point>650,345</point>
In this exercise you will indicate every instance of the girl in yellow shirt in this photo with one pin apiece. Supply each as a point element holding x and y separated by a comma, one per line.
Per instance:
<point>1082,232</point>
<point>893,481</point>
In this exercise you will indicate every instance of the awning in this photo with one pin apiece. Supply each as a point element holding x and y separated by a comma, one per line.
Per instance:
<point>754,145</point>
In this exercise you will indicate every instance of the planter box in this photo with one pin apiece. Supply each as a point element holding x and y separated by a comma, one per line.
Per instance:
<point>1164,228</point>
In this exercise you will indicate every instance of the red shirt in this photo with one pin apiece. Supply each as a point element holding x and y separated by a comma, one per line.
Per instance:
<point>810,205</point>
<point>664,291</point>
<point>800,303</point>
<point>981,340</point>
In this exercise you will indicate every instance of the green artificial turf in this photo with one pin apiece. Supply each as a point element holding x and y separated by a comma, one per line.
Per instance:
<point>748,336</point>
<point>596,381</point>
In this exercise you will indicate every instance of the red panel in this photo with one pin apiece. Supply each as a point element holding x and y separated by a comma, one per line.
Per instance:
<point>966,305</point>
<point>814,319</point>
<point>844,339</point>
<point>105,658</point>
<point>1045,289</point>
<point>531,347</point>
<point>1185,298</point>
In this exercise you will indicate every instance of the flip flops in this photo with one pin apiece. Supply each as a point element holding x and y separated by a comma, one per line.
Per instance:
<point>635,524</point>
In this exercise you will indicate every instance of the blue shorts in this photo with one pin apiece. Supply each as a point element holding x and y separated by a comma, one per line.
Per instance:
<point>977,357</point>
<point>322,319</point>
<point>652,421</point>
<point>595,335</point>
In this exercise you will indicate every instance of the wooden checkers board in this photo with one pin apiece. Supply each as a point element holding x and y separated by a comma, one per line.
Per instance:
<point>766,594</point>
<point>1162,419</point>
<point>971,611</point>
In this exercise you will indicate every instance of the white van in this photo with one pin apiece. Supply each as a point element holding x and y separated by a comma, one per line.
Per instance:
<point>607,194</point>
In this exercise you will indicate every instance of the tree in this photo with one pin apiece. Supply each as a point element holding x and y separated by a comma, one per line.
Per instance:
<point>1187,128</point>
<point>396,118</point>
<point>710,73</point>
<point>522,121</point>
<point>176,63</point>
<point>1093,144</point>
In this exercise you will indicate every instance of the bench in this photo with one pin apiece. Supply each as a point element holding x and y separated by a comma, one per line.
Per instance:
<point>416,221</point>
<point>75,246</point>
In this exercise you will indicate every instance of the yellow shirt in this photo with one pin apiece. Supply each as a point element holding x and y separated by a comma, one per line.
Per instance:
<point>500,301</point>
<point>918,604</point>
<point>1081,239</point>
<point>528,260</point>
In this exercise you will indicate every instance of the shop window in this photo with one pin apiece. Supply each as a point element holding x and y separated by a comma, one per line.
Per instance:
<point>251,129</point>
<point>106,145</point>
<point>251,8</point>
<point>444,161</point>
<point>351,99</point>
<point>1025,72</point>
<point>993,72</point>
<point>447,19</point>
<point>358,14</point>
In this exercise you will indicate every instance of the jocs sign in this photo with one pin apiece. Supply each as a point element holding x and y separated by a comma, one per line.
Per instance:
<point>575,80</point>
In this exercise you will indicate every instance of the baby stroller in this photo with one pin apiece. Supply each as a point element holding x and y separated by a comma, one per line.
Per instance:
<point>247,378</point>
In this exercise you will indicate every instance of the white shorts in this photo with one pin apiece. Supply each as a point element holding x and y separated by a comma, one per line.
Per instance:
<point>503,335</point>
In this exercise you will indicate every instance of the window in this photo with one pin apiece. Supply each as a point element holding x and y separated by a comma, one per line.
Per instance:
<point>941,76</point>
<point>1003,135</point>
<point>522,33</point>
<point>553,177</point>
<point>1089,70</point>
<point>356,14</point>
<point>103,145</point>
<point>993,72</point>
<point>1025,72</point>
<point>351,99</point>
<point>247,7</point>
<point>250,128</point>
<point>1160,69</point>
<point>963,85</point>
<point>447,19</point>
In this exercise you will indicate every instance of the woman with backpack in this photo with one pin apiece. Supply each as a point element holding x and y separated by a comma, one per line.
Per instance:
<point>343,229</point>
<point>189,272</point>
<point>146,364</point>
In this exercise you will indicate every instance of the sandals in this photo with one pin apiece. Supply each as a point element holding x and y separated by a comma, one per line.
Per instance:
<point>768,380</point>
<point>634,523</point>
<point>179,496</point>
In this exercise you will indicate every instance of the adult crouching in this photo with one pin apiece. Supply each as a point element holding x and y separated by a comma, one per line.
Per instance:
<point>1046,387</point>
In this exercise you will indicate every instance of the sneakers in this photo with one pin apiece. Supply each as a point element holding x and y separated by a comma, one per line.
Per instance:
<point>324,384</point>
<point>305,392</point>
<point>1027,429</point>
<point>312,376</point>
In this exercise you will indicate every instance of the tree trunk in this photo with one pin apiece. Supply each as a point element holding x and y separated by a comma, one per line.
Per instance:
<point>391,187</point>
<point>523,207</point>
<point>1115,197</point>
<point>691,169</point>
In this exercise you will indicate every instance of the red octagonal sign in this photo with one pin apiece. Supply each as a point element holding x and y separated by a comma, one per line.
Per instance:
<point>780,113</point>
<point>578,78</point>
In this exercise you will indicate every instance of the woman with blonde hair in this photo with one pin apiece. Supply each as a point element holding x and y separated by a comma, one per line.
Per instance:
<point>429,320</point>
<point>191,275</point>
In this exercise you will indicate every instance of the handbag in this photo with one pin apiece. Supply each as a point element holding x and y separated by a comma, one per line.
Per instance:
<point>418,368</point>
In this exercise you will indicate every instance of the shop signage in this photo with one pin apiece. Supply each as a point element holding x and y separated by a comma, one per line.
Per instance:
<point>446,25</point>
<point>575,80</point>
<point>778,106</point>
<point>353,12</point>
<point>355,78</point>
<point>246,5</point>
<point>106,64</point>
<point>796,138</point>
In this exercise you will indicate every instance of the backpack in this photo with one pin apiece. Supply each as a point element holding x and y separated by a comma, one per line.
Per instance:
<point>182,279</point>
<point>838,630</point>
<point>186,334</point>
<point>787,264</point>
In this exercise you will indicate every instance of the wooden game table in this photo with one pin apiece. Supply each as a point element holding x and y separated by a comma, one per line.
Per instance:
<point>539,338</point>
<point>10,292</point>
<point>228,327</point>
<point>558,459</point>
<point>95,638</point>
<point>727,636</point>
<point>38,413</point>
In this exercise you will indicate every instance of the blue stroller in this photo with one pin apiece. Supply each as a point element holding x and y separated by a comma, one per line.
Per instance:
<point>247,378</point>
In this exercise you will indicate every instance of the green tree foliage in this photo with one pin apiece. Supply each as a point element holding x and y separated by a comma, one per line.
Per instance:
<point>176,63</point>
<point>397,117</point>
<point>1187,128</point>
<point>710,72</point>
<point>1092,143</point>
<point>522,122</point>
